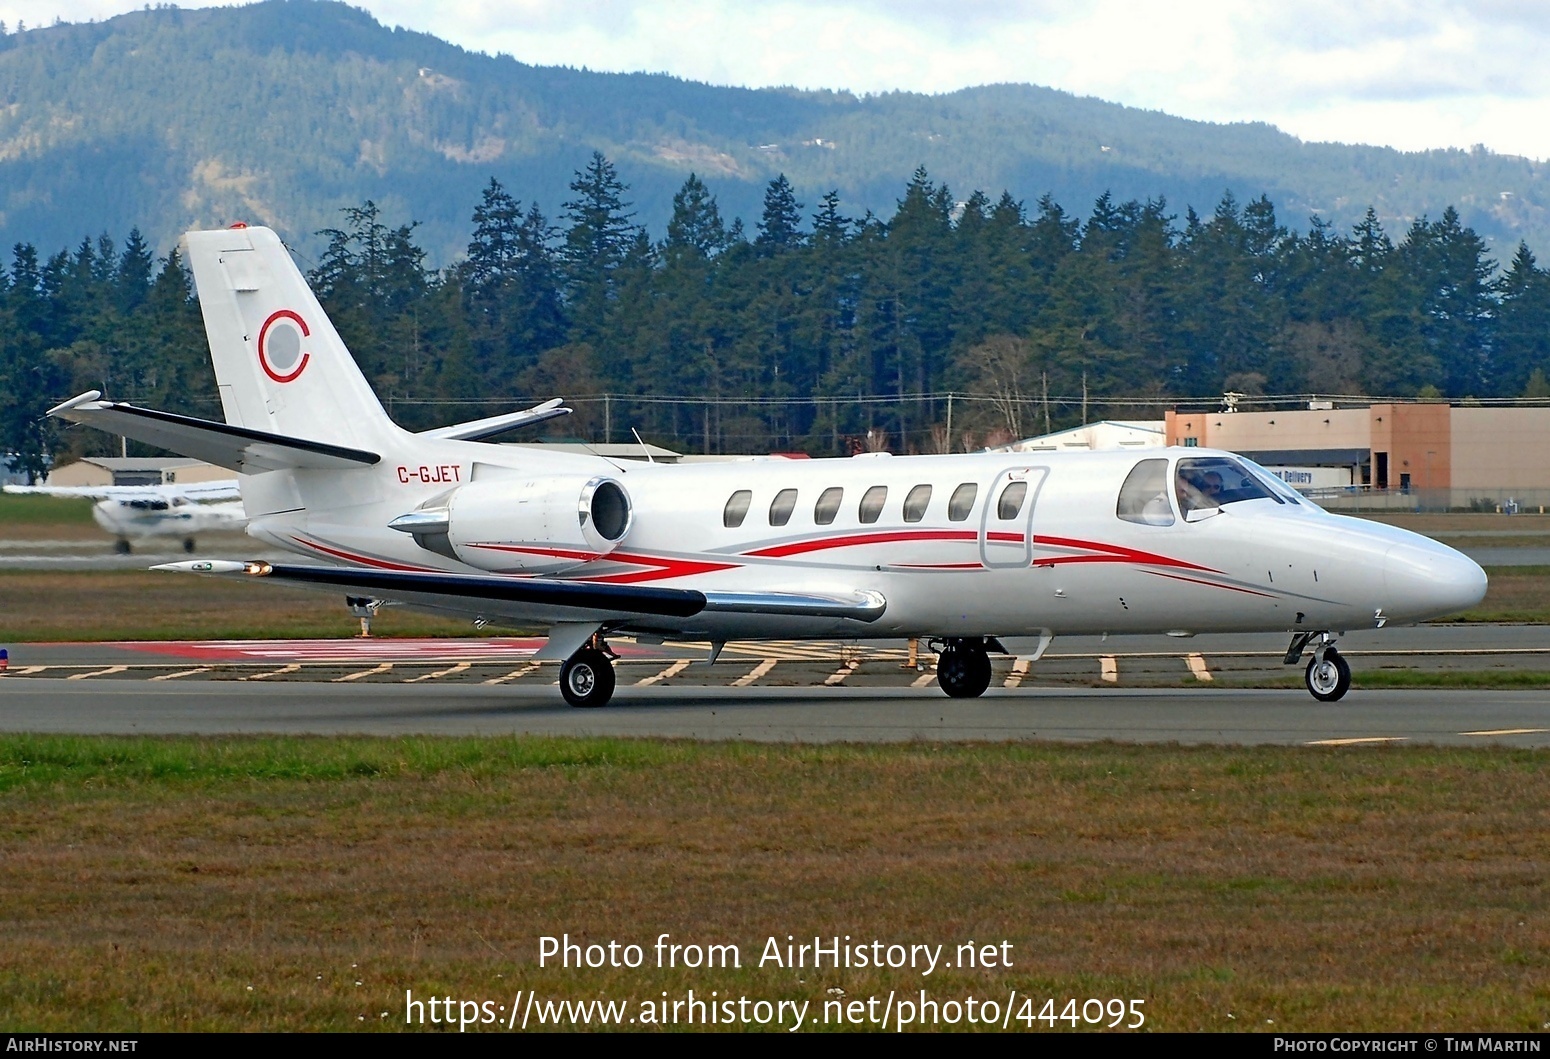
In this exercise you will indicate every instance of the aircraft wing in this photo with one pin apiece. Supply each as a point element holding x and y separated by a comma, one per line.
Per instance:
<point>479,429</point>
<point>236,448</point>
<point>547,600</point>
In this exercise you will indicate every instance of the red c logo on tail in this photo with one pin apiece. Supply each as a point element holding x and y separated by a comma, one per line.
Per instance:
<point>279,345</point>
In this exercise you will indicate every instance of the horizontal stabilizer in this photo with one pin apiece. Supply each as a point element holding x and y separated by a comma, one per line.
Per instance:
<point>225,489</point>
<point>479,429</point>
<point>240,449</point>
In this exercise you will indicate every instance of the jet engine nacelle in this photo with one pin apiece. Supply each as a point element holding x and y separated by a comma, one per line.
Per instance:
<point>537,525</point>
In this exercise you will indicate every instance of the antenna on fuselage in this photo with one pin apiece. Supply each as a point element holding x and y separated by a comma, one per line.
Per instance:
<point>643,446</point>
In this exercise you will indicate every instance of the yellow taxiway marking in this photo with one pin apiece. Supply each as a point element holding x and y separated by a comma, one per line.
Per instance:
<point>1197,666</point>
<point>293,667</point>
<point>757,672</point>
<point>671,671</point>
<point>460,667</point>
<point>515,674</point>
<point>839,675</point>
<point>383,668</point>
<point>1510,731</point>
<point>1015,677</point>
<point>180,674</point>
<point>25,671</point>
<point>1109,668</point>
<point>924,679</point>
<point>1362,739</point>
<point>97,673</point>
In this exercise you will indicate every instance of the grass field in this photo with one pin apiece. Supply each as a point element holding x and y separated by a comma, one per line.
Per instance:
<point>44,606</point>
<point>307,883</point>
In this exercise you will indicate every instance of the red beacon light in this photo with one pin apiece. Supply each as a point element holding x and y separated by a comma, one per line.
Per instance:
<point>240,224</point>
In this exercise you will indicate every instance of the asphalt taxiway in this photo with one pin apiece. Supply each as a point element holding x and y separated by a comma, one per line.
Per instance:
<point>821,714</point>
<point>1205,689</point>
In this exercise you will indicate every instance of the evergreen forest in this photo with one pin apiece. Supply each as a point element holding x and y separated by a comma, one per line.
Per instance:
<point>951,324</point>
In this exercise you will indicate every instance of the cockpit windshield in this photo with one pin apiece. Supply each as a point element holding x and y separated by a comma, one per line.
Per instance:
<point>1208,482</point>
<point>1277,483</point>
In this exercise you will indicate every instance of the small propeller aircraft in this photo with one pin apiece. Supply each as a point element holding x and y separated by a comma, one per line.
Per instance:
<point>970,553</point>
<point>135,512</point>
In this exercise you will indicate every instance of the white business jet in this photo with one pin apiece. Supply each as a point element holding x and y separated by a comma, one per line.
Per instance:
<point>135,512</point>
<point>969,552</point>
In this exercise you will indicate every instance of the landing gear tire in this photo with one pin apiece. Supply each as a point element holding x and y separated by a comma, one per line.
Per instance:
<point>963,671</point>
<point>587,679</point>
<point>1328,678</point>
<point>188,545</point>
<point>121,546</point>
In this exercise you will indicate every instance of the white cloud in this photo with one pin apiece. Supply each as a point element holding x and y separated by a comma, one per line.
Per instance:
<point>1412,73</point>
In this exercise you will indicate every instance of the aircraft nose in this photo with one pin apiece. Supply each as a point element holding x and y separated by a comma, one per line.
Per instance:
<point>1429,580</point>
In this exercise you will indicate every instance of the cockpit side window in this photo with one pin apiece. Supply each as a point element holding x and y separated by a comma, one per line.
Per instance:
<point>1144,496</point>
<point>1216,481</point>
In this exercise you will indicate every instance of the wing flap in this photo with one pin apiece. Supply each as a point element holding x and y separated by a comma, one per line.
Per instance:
<point>858,606</point>
<point>236,448</point>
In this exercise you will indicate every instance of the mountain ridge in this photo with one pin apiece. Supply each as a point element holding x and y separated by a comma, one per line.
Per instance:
<point>286,111</point>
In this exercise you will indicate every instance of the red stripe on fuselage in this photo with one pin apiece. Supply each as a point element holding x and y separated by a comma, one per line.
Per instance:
<point>364,560</point>
<point>659,569</point>
<point>780,551</point>
<point>1120,553</point>
<point>1211,584</point>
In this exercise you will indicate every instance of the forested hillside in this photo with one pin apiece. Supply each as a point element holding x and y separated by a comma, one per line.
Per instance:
<point>940,327</point>
<point>284,112</point>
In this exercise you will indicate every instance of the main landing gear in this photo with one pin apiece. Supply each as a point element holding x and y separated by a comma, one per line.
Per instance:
<point>962,666</point>
<point>587,677</point>
<point>1327,676</point>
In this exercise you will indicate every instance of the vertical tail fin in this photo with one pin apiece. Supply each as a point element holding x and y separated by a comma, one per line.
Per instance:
<point>279,363</point>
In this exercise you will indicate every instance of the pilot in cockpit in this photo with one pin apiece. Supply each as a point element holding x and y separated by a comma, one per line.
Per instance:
<point>1197,491</point>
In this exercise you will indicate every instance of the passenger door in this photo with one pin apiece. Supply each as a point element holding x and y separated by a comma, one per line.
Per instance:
<point>1006,523</point>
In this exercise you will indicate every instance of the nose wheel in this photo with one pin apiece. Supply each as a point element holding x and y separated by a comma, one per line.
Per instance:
<point>587,678</point>
<point>1328,677</point>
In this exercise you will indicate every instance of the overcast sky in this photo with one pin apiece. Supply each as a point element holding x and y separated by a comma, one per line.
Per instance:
<point>1412,74</point>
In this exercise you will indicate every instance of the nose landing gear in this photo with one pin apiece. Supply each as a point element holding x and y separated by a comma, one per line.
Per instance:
<point>1327,676</point>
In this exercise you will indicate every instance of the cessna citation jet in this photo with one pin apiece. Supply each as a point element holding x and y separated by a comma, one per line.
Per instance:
<point>968,552</point>
<point>134,512</point>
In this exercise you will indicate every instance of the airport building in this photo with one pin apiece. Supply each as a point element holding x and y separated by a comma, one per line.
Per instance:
<point>1401,456</point>
<point>118,470</point>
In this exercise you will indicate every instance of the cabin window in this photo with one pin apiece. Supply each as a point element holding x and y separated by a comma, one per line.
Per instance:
<point>737,508</point>
<point>916,502</point>
<point>1144,496</point>
<point>828,505</point>
<point>782,506</point>
<point>1011,501</point>
<point>962,501</point>
<point>872,504</point>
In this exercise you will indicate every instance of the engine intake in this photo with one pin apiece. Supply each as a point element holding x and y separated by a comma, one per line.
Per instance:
<point>537,525</point>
